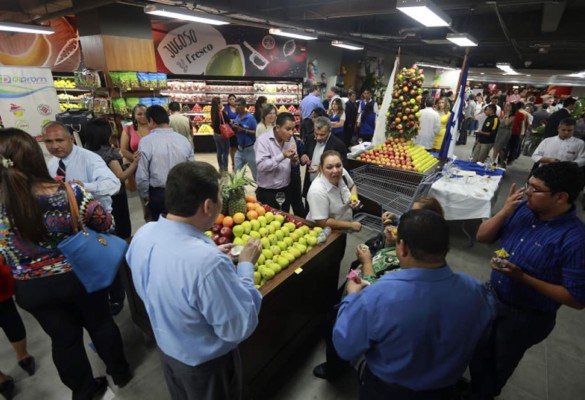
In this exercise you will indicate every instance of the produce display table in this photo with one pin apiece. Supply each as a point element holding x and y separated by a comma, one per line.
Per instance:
<point>204,143</point>
<point>294,306</point>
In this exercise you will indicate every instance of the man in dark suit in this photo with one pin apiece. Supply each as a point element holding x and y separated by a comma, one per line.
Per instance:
<point>307,126</point>
<point>552,126</point>
<point>315,145</point>
<point>351,113</point>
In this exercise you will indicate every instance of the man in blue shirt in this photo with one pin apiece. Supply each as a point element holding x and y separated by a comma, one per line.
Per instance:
<point>159,151</point>
<point>310,102</point>
<point>74,163</point>
<point>367,113</point>
<point>200,306</point>
<point>418,327</point>
<point>545,269</point>
<point>244,126</point>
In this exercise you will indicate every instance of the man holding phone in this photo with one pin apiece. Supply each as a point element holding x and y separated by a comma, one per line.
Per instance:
<point>275,154</point>
<point>545,269</point>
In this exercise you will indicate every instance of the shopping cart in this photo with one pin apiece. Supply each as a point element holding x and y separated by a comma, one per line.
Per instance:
<point>392,189</point>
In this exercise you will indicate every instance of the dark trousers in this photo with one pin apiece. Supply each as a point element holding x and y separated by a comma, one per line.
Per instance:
<point>513,149</point>
<point>513,332</point>
<point>217,379</point>
<point>11,322</point>
<point>335,364</point>
<point>373,388</point>
<point>63,309</point>
<point>296,195</point>
<point>156,202</point>
<point>268,196</point>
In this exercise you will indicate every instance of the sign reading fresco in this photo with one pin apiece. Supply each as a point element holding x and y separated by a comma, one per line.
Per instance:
<point>199,49</point>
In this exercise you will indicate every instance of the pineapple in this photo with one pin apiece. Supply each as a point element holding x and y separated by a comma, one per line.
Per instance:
<point>233,192</point>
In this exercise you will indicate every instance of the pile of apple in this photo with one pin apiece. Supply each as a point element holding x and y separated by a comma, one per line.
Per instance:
<point>284,238</point>
<point>403,113</point>
<point>399,154</point>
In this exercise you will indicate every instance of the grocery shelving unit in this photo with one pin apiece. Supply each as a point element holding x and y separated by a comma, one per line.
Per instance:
<point>70,97</point>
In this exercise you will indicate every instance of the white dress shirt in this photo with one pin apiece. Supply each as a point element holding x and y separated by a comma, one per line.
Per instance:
<point>430,125</point>
<point>328,201</point>
<point>89,168</point>
<point>571,149</point>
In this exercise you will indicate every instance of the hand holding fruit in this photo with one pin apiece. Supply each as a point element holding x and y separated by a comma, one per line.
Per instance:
<point>305,160</point>
<point>251,251</point>
<point>390,233</point>
<point>354,201</point>
<point>225,248</point>
<point>289,153</point>
<point>507,268</point>
<point>352,287</point>
<point>363,254</point>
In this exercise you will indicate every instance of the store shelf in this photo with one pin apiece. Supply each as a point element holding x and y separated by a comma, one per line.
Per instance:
<point>77,90</point>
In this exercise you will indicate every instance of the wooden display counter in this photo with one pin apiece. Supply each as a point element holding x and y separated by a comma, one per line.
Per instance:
<point>294,305</point>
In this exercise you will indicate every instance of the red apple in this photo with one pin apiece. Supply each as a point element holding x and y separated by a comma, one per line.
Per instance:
<point>215,238</point>
<point>216,228</point>
<point>226,232</point>
<point>223,240</point>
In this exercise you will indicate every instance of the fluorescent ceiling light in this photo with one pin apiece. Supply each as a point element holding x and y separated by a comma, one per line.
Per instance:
<point>462,39</point>
<point>292,34</point>
<point>507,69</point>
<point>26,28</point>
<point>186,15</point>
<point>347,45</point>
<point>577,74</point>
<point>424,11</point>
<point>432,65</point>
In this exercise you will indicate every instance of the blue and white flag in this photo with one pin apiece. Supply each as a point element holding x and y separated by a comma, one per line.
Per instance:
<point>381,119</point>
<point>448,146</point>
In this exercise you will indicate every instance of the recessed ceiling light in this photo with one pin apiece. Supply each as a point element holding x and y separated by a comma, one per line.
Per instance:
<point>462,39</point>
<point>185,15</point>
<point>424,11</point>
<point>292,34</point>
<point>347,45</point>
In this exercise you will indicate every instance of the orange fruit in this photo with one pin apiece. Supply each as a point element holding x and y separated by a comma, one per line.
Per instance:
<point>250,199</point>
<point>260,210</point>
<point>228,221</point>
<point>250,206</point>
<point>252,215</point>
<point>219,219</point>
<point>239,218</point>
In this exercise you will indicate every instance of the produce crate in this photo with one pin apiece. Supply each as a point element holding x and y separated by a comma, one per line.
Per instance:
<point>393,189</point>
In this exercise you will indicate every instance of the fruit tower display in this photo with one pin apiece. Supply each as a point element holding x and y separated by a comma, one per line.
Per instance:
<point>399,151</point>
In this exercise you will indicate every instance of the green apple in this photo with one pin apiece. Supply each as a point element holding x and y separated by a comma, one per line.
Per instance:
<point>262,220</point>
<point>294,251</point>
<point>309,248</point>
<point>299,231</point>
<point>275,249</point>
<point>314,233</point>
<point>294,236</point>
<point>279,234</point>
<point>271,228</point>
<point>255,224</point>
<point>301,247</point>
<point>285,231</point>
<point>318,229</point>
<point>288,241</point>
<point>245,238</point>
<point>239,241</point>
<point>209,233</point>
<point>283,261</point>
<point>275,258</point>
<point>305,229</point>
<point>302,241</point>
<point>283,246</point>
<point>257,277</point>
<point>279,218</point>
<point>268,253</point>
<point>255,235</point>
<point>269,216</point>
<point>238,231</point>
<point>276,224</point>
<point>267,273</point>
<point>265,243</point>
<point>291,227</point>
<point>262,231</point>
<point>261,259</point>
<point>273,239</point>
<point>276,267</point>
<point>247,225</point>
<point>312,240</point>
<point>288,255</point>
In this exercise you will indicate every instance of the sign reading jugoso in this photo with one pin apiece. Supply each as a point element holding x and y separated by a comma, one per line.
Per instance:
<point>200,49</point>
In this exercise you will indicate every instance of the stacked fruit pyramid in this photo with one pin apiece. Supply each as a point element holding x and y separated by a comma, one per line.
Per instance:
<point>399,151</point>
<point>284,237</point>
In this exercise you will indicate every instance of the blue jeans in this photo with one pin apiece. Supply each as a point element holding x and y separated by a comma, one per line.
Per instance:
<point>246,156</point>
<point>222,147</point>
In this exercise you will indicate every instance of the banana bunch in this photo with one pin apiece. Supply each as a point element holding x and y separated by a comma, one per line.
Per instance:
<point>64,84</point>
<point>205,129</point>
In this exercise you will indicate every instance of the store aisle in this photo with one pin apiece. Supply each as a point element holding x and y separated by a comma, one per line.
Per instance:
<point>553,370</point>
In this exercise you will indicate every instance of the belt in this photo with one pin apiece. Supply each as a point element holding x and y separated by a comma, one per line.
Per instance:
<point>246,146</point>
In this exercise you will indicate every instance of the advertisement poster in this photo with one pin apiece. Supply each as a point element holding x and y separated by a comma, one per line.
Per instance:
<point>28,98</point>
<point>199,49</point>
<point>59,51</point>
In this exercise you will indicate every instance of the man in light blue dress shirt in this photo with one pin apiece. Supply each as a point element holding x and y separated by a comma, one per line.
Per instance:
<point>160,151</point>
<point>73,163</point>
<point>200,306</point>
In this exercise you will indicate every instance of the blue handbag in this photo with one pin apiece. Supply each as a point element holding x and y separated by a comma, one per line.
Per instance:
<point>94,256</point>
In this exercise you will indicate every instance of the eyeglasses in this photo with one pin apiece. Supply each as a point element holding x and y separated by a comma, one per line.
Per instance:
<point>531,189</point>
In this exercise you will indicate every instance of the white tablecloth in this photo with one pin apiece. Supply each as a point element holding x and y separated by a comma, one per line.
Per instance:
<point>466,197</point>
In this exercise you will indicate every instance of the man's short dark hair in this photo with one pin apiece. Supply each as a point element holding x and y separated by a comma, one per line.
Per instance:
<point>241,100</point>
<point>519,105</point>
<point>283,117</point>
<point>569,101</point>
<point>568,122</point>
<point>426,234</point>
<point>315,88</point>
<point>319,112</point>
<point>492,107</point>
<point>429,102</point>
<point>158,114</point>
<point>334,89</point>
<point>564,176</point>
<point>188,185</point>
<point>174,106</point>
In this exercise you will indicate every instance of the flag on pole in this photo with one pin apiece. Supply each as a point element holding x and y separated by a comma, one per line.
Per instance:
<point>380,130</point>
<point>448,146</point>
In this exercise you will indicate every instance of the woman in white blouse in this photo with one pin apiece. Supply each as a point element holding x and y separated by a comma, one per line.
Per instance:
<point>332,195</point>
<point>267,119</point>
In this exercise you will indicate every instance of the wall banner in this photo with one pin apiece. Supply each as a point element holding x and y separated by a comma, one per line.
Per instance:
<point>199,49</point>
<point>28,98</point>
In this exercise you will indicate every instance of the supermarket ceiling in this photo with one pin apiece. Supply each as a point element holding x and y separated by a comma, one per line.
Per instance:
<point>527,34</point>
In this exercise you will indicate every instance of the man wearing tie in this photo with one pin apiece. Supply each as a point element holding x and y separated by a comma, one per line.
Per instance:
<point>74,163</point>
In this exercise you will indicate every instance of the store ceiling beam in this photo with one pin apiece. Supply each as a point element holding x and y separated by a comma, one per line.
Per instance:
<point>78,6</point>
<point>551,16</point>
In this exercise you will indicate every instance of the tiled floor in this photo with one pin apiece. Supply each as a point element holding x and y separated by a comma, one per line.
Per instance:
<point>553,370</point>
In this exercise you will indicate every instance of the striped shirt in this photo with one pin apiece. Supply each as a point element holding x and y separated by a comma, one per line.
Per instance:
<point>551,251</point>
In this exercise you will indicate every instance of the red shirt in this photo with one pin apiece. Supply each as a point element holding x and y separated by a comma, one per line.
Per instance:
<point>519,118</point>
<point>6,283</point>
